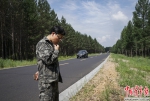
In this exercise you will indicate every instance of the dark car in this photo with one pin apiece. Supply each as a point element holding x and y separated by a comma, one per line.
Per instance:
<point>82,54</point>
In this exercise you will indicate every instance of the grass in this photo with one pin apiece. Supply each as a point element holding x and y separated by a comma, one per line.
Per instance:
<point>8,63</point>
<point>133,70</point>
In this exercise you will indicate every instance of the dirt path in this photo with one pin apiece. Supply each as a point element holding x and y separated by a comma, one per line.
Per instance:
<point>103,87</point>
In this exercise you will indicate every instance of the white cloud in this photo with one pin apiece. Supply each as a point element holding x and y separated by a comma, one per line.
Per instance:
<point>119,16</point>
<point>103,38</point>
<point>103,21</point>
<point>91,7</point>
<point>70,6</point>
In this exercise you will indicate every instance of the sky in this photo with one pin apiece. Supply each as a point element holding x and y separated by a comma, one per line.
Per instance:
<point>101,19</point>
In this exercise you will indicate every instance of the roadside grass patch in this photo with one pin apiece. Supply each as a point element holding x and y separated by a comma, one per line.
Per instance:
<point>135,72</point>
<point>1,63</point>
<point>132,71</point>
<point>8,63</point>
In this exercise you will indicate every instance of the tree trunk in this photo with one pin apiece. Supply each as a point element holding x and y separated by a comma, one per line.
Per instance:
<point>20,46</point>
<point>2,40</point>
<point>142,52</point>
<point>131,52</point>
<point>139,52</point>
<point>145,52</point>
<point>136,49</point>
<point>12,34</point>
<point>122,51</point>
<point>148,52</point>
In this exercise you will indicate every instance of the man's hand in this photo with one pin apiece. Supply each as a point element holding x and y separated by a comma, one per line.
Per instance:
<point>36,76</point>
<point>56,47</point>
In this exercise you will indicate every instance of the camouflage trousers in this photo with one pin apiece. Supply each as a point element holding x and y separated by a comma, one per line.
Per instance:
<point>48,91</point>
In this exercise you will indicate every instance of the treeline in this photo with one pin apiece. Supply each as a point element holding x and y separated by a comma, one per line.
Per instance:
<point>24,22</point>
<point>135,37</point>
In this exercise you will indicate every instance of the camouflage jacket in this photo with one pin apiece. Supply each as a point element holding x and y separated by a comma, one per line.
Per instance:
<point>47,61</point>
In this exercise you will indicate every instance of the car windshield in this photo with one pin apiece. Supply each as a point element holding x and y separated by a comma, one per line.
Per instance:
<point>80,51</point>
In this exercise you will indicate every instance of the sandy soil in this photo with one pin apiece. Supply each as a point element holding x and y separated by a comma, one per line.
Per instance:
<point>103,87</point>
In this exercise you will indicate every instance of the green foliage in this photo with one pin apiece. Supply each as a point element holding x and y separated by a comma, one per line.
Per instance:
<point>135,37</point>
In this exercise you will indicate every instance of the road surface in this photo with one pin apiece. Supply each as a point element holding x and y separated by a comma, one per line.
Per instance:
<point>17,84</point>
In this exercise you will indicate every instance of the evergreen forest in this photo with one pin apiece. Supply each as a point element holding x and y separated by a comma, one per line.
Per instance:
<point>135,36</point>
<point>24,22</point>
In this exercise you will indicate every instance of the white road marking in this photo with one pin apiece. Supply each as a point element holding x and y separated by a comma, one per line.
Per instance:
<point>82,59</point>
<point>64,64</point>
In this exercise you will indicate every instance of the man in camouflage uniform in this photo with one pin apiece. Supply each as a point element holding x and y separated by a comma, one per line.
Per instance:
<point>48,74</point>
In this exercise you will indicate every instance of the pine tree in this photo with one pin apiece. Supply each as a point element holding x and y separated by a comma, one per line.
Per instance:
<point>129,38</point>
<point>124,41</point>
<point>140,21</point>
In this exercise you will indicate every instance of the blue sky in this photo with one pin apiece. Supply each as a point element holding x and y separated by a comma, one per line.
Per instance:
<point>101,19</point>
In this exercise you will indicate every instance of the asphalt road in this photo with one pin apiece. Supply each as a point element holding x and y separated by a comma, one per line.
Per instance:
<point>17,84</point>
